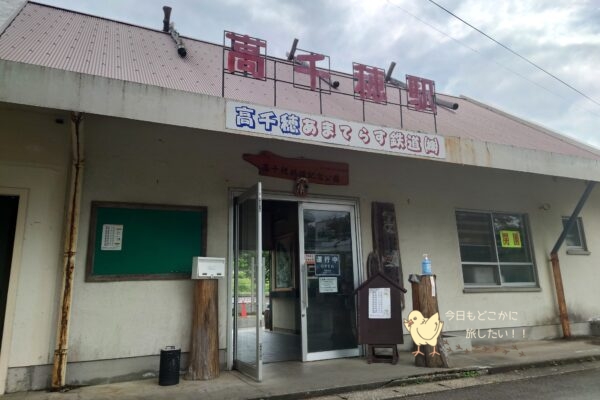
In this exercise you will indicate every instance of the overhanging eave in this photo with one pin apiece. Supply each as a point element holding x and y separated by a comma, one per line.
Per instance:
<point>38,86</point>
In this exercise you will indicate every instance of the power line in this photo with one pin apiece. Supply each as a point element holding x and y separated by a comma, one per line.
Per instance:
<point>516,54</point>
<point>486,59</point>
<point>474,50</point>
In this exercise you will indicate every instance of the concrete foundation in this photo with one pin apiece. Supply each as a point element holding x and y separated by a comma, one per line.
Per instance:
<point>38,377</point>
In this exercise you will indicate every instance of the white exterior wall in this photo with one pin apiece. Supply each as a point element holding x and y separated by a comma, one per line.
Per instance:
<point>34,156</point>
<point>139,162</point>
<point>426,196</point>
<point>133,161</point>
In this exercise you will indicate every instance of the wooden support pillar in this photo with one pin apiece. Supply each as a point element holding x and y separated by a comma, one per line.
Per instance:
<point>204,352</point>
<point>560,296</point>
<point>560,293</point>
<point>424,298</point>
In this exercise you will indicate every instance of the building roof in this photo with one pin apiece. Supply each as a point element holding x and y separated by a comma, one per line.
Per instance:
<point>66,40</point>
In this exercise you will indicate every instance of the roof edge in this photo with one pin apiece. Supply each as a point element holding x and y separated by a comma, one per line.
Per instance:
<point>40,3</point>
<point>595,151</point>
<point>37,86</point>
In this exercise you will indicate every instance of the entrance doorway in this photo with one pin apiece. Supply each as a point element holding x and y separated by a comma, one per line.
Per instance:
<point>295,271</point>
<point>282,340</point>
<point>8,222</point>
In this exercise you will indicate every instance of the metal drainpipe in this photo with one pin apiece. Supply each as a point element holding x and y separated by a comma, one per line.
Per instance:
<point>70,247</point>
<point>560,293</point>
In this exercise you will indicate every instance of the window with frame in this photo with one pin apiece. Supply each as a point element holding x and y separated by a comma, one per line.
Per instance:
<point>495,249</point>
<point>575,239</point>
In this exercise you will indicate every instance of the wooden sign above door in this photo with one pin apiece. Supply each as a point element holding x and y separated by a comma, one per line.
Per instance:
<point>315,171</point>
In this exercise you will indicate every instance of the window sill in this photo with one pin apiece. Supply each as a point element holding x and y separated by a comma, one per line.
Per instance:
<point>578,252</point>
<point>501,289</point>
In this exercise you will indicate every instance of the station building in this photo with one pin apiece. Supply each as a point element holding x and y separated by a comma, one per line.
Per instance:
<point>121,158</point>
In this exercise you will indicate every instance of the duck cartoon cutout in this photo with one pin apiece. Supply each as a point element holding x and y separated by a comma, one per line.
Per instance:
<point>423,330</point>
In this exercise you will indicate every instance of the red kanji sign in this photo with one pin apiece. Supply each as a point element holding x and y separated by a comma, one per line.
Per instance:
<point>421,93</point>
<point>516,239</point>
<point>370,83</point>
<point>245,55</point>
<point>315,171</point>
<point>309,67</point>
<point>505,238</point>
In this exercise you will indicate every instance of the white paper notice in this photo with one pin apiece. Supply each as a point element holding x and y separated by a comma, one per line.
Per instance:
<point>328,284</point>
<point>112,237</point>
<point>432,285</point>
<point>380,305</point>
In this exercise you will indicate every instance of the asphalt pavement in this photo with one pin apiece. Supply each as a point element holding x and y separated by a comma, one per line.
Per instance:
<point>578,381</point>
<point>572,385</point>
<point>355,379</point>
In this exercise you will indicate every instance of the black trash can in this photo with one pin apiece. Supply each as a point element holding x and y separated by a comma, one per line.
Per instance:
<point>168,373</point>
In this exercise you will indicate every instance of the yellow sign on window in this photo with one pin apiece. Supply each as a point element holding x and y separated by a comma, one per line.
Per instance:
<point>510,239</point>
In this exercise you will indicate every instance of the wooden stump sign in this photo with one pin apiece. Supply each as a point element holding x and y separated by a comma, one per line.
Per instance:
<point>424,298</point>
<point>204,352</point>
<point>385,241</point>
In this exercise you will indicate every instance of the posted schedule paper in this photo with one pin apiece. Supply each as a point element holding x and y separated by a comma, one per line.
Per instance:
<point>380,305</point>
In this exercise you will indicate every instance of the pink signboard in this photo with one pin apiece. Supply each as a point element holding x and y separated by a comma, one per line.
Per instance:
<point>421,93</point>
<point>245,55</point>
<point>309,67</point>
<point>370,83</point>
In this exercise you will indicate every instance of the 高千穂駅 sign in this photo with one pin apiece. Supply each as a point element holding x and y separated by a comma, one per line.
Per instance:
<point>273,122</point>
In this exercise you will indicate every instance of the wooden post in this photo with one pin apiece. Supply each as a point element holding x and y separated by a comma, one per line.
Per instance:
<point>385,241</point>
<point>204,352</point>
<point>560,296</point>
<point>425,300</point>
<point>560,293</point>
<point>419,359</point>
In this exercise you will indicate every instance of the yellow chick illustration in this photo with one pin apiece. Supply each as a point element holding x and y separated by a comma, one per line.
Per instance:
<point>423,330</point>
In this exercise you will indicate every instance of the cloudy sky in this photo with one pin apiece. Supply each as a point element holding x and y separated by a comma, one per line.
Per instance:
<point>561,36</point>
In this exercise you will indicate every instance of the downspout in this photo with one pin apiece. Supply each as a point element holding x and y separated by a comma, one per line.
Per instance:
<point>560,293</point>
<point>70,247</point>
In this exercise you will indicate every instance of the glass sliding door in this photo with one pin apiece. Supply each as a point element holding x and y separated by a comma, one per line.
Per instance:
<point>248,284</point>
<point>328,277</point>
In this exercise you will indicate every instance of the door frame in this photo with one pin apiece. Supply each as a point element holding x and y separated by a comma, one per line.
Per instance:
<point>245,368</point>
<point>279,196</point>
<point>15,270</point>
<point>304,309</point>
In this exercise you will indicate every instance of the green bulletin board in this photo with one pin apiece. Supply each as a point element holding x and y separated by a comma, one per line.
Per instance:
<point>131,241</point>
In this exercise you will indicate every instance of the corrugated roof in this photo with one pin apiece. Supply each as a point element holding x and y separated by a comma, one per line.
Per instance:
<point>61,39</point>
<point>67,40</point>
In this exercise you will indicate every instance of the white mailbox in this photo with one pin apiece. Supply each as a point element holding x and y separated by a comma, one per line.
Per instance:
<point>208,268</point>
